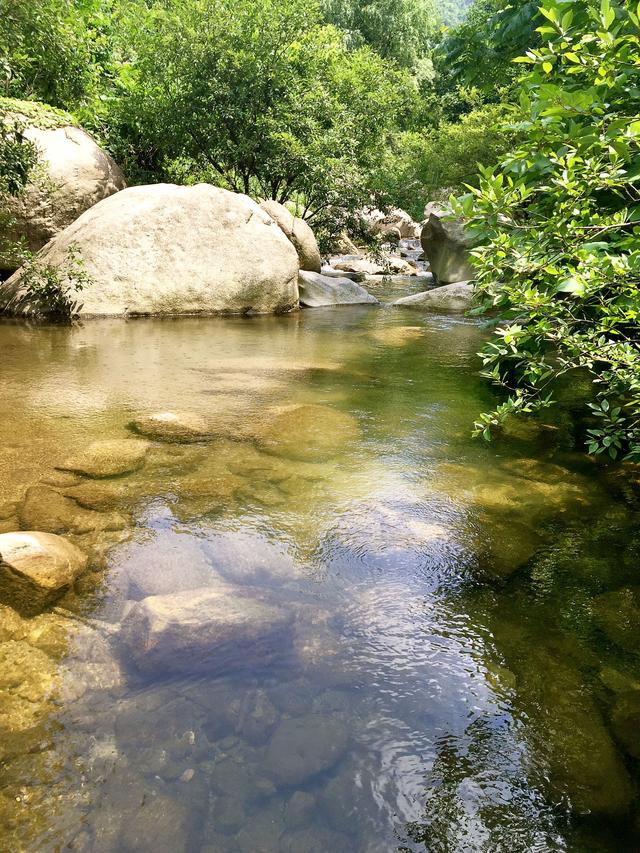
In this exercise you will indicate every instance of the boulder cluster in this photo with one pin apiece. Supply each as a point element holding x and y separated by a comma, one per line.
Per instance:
<point>167,250</point>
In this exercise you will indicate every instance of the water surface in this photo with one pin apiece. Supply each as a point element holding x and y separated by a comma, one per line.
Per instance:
<point>461,671</point>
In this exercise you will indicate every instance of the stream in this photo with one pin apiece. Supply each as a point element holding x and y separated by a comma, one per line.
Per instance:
<point>459,668</point>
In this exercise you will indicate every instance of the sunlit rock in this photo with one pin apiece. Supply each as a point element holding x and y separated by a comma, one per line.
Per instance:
<point>351,263</point>
<point>317,291</point>
<point>180,250</point>
<point>209,630</point>
<point>37,568</point>
<point>446,246</point>
<point>173,426</point>
<point>298,231</point>
<point>447,298</point>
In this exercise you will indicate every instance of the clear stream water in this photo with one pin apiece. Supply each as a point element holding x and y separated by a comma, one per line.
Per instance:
<point>463,670</point>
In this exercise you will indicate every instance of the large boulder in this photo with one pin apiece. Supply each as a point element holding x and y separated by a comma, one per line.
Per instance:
<point>447,298</point>
<point>212,630</point>
<point>73,174</point>
<point>318,290</point>
<point>299,232</point>
<point>37,568</point>
<point>446,246</point>
<point>356,264</point>
<point>166,249</point>
<point>396,222</point>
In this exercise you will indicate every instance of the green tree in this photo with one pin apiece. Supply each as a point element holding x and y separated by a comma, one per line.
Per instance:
<point>559,226</point>
<point>399,30</point>
<point>258,97</point>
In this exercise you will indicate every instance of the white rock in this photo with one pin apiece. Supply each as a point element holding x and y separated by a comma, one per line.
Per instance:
<point>317,290</point>
<point>299,232</point>
<point>37,568</point>
<point>73,174</point>
<point>449,297</point>
<point>166,249</point>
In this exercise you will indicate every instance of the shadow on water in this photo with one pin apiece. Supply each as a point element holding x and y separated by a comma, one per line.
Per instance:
<point>336,624</point>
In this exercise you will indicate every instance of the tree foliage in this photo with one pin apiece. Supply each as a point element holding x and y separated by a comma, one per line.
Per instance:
<point>559,226</point>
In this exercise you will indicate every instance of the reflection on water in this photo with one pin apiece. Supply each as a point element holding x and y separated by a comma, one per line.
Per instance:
<point>335,624</point>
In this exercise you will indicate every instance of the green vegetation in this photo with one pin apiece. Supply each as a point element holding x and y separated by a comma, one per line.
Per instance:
<point>51,292</point>
<point>558,226</point>
<point>338,105</point>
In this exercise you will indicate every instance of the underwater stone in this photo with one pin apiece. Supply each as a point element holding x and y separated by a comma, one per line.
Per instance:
<point>309,433</point>
<point>303,747</point>
<point>37,568</point>
<point>108,458</point>
<point>173,426</point>
<point>48,510</point>
<point>210,630</point>
<point>618,615</point>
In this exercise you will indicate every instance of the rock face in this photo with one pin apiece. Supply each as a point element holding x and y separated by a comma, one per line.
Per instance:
<point>317,290</point>
<point>446,247</point>
<point>73,174</point>
<point>166,249</point>
<point>299,232</point>
<point>37,568</point>
<point>449,297</point>
<point>396,223</point>
<point>181,427</point>
<point>209,630</point>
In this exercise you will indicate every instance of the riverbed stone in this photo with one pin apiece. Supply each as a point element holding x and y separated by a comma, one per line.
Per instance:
<point>181,427</point>
<point>447,298</point>
<point>108,458</point>
<point>46,509</point>
<point>100,495</point>
<point>309,433</point>
<point>625,721</point>
<point>303,747</point>
<point>317,291</point>
<point>617,613</point>
<point>37,568</point>
<point>209,630</point>
<point>298,231</point>
<point>180,250</point>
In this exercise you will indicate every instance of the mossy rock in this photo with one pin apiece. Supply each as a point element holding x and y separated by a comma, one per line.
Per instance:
<point>617,613</point>
<point>39,114</point>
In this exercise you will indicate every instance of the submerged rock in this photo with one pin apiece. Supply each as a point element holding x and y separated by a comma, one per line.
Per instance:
<point>618,615</point>
<point>109,458</point>
<point>209,630</point>
<point>173,426</point>
<point>46,509</point>
<point>299,232</point>
<point>449,297</point>
<point>309,433</point>
<point>303,747</point>
<point>180,250</point>
<point>319,290</point>
<point>37,568</point>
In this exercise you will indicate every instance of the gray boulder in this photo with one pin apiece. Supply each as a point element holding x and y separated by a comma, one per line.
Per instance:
<point>72,175</point>
<point>318,290</point>
<point>210,630</point>
<point>37,568</point>
<point>166,249</point>
<point>299,232</point>
<point>446,246</point>
<point>448,298</point>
